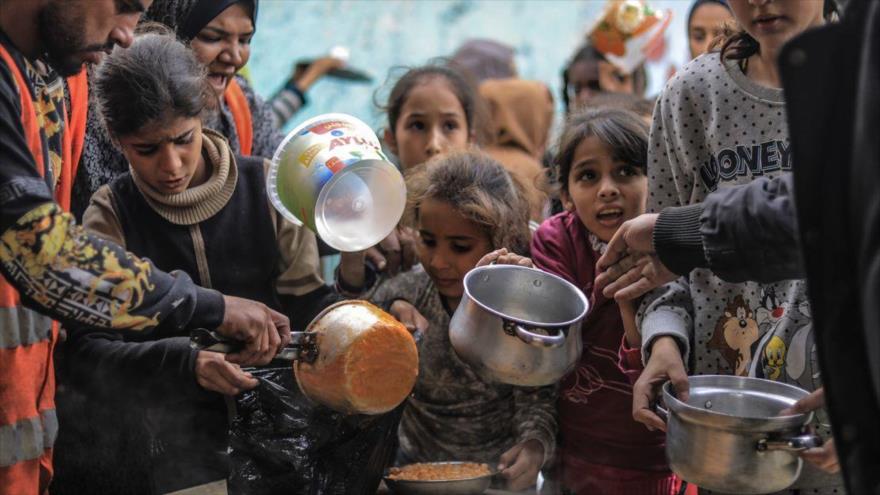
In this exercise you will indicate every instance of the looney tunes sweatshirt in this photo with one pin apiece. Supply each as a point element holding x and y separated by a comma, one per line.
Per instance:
<point>715,128</point>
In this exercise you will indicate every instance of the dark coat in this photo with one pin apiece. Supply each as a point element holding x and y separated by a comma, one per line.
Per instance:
<point>832,84</point>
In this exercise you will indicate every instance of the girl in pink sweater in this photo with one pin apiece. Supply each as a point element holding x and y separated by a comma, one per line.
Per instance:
<point>601,171</point>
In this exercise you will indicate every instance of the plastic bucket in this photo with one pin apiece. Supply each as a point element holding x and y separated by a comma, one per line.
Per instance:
<point>330,174</point>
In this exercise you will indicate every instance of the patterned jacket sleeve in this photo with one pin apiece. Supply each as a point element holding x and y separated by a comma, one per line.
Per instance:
<point>70,275</point>
<point>78,278</point>
<point>668,310</point>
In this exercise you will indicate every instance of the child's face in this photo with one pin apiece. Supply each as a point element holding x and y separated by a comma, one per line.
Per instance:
<point>432,121</point>
<point>586,78</point>
<point>773,22</point>
<point>707,23</point>
<point>449,246</point>
<point>167,155</point>
<point>603,193</point>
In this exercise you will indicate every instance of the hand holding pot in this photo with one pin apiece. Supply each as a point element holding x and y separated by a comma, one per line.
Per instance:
<point>664,364</point>
<point>396,253</point>
<point>824,457</point>
<point>215,373</point>
<point>407,314</point>
<point>520,465</point>
<point>503,257</point>
<point>263,331</point>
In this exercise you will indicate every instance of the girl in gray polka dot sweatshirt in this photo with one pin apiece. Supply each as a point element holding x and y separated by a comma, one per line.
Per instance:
<point>715,127</point>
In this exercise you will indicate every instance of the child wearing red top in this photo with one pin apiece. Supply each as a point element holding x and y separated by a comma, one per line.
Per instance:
<point>602,163</point>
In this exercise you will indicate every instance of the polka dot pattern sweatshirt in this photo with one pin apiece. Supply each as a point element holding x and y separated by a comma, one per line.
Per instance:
<point>713,128</point>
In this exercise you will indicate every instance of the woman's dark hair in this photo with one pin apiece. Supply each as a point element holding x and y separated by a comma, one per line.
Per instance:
<point>622,131</point>
<point>737,44</point>
<point>461,85</point>
<point>588,53</point>
<point>480,189</point>
<point>156,78</point>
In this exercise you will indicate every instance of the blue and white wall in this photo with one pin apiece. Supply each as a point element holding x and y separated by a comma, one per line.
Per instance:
<point>382,34</point>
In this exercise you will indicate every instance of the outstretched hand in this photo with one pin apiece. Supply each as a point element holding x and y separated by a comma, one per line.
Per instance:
<point>630,267</point>
<point>664,364</point>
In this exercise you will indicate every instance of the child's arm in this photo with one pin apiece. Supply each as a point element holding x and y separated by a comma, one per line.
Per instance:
<point>400,296</point>
<point>672,162</point>
<point>550,251</point>
<point>628,317</point>
<point>665,317</point>
<point>299,265</point>
<point>630,352</point>
<point>535,418</point>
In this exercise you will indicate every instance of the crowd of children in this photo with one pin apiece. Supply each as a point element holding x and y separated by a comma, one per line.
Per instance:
<point>175,161</point>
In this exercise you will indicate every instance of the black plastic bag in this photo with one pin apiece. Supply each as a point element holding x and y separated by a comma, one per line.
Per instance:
<point>281,443</point>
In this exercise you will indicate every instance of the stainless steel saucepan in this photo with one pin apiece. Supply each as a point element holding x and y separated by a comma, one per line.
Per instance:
<point>729,437</point>
<point>518,325</point>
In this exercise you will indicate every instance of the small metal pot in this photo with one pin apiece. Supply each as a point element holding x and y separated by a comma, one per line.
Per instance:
<point>518,325</point>
<point>332,359</point>
<point>729,437</point>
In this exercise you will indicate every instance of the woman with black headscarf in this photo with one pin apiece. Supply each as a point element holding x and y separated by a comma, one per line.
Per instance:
<point>219,32</point>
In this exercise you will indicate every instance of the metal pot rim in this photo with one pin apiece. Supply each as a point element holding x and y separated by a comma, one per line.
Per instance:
<point>476,271</point>
<point>707,417</point>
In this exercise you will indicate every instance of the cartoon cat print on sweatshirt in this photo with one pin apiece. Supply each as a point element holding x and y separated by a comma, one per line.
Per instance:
<point>772,348</point>
<point>786,350</point>
<point>735,332</point>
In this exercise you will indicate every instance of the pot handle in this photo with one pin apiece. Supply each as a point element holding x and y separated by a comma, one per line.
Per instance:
<point>302,346</point>
<point>536,339</point>
<point>662,412</point>
<point>797,443</point>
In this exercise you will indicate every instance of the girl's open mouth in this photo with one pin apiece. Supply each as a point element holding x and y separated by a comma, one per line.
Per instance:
<point>610,216</point>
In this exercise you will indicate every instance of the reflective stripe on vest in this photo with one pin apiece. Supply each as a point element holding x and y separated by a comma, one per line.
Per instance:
<point>241,114</point>
<point>21,326</point>
<point>28,438</point>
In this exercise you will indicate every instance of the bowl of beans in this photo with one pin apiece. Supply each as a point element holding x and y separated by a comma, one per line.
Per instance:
<point>428,478</point>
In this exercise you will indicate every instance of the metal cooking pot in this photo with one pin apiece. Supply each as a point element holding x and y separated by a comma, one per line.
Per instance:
<point>518,325</point>
<point>353,358</point>
<point>729,438</point>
